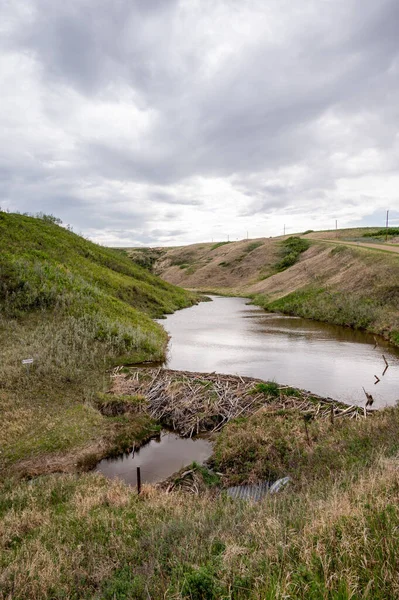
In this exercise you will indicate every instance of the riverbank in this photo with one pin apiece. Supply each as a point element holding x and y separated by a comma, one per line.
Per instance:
<point>332,277</point>
<point>80,535</point>
<point>230,335</point>
<point>361,294</point>
<point>65,536</point>
<point>84,536</point>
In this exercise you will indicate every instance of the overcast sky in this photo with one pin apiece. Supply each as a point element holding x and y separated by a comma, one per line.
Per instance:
<point>163,122</point>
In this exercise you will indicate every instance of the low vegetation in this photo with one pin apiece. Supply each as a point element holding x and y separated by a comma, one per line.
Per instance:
<point>325,305</point>
<point>253,246</point>
<point>76,309</point>
<point>145,257</point>
<point>218,245</point>
<point>376,312</point>
<point>272,444</point>
<point>382,233</point>
<point>292,248</point>
<point>333,536</point>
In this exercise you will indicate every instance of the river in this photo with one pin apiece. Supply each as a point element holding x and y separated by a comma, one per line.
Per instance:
<point>228,335</point>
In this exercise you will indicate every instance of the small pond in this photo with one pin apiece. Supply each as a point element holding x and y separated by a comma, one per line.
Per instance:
<point>158,459</point>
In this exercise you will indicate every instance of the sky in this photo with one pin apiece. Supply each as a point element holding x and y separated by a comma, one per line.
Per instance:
<point>169,122</point>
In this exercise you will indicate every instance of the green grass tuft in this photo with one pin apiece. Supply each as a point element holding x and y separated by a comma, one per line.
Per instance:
<point>253,246</point>
<point>219,244</point>
<point>292,248</point>
<point>270,388</point>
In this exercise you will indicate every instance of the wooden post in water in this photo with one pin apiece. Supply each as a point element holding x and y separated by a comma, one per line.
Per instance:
<point>386,365</point>
<point>138,480</point>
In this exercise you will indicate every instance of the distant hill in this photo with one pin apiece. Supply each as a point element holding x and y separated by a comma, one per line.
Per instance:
<point>348,277</point>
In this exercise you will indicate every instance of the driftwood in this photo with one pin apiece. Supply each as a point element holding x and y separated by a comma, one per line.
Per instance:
<point>192,403</point>
<point>369,397</point>
<point>386,365</point>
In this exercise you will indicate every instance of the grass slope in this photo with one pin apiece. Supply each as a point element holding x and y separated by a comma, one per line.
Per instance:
<point>75,308</point>
<point>225,266</point>
<point>316,275</point>
<point>344,285</point>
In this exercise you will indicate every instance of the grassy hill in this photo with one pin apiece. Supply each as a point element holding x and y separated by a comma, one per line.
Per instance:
<point>76,309</point>
<point>329,276</point>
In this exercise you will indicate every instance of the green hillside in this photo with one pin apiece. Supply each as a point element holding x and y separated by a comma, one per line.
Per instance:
<point>45,266</point>
<point>75,308</point>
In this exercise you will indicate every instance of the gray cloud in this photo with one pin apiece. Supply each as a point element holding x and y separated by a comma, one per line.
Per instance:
<point>223,110</point>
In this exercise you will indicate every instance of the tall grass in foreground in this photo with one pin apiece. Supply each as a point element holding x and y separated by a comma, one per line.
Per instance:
<point>83,537</point>
<point>332,534</point>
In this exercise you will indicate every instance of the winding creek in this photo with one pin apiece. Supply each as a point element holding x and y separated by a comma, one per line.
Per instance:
<point>230,336</point>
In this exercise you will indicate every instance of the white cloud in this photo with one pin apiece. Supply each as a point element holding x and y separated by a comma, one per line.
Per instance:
<point>174,122</point>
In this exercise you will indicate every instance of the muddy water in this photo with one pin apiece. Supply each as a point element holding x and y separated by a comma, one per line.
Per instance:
<point>157,460</point>
<point>229,336</point>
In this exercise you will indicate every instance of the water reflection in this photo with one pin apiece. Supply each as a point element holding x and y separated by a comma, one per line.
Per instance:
<point>229,336</point>
<point>158,459</point>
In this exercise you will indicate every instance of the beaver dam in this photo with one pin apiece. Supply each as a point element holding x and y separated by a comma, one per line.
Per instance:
<point>194,403</point>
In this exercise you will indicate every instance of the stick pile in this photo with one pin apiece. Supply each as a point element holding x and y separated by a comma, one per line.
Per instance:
<point>192,403</point>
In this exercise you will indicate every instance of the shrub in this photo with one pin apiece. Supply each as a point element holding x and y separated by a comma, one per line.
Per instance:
<point>390,231</point>
<point>253,246</point>
<point>270,388</point>
<point>201,584</point>
<point>218,244</point>
<point>292,248</point>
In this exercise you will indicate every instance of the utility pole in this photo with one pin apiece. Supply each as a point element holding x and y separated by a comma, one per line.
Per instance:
<point>336,228</point>
<point>386,231</point>
<point>284,229</point>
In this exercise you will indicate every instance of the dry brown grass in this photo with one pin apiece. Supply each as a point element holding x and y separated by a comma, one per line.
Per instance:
<point>230,269</point>
<point>268,446</point>
<point>227,267</point>
<point>335,539</point>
